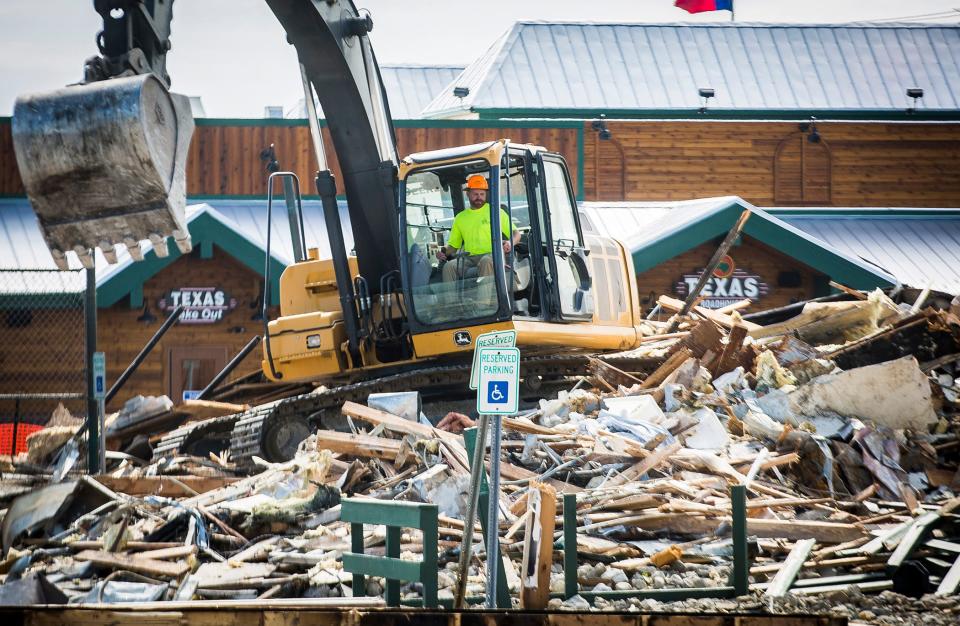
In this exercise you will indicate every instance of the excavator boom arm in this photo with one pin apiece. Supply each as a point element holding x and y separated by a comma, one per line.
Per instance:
<point>90,191</point>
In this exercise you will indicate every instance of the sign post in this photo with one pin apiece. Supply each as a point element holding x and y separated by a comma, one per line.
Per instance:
<point>498,387</point>
<point>99,393</point>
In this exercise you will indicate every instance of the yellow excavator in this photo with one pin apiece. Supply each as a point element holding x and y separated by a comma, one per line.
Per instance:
<point>103,164</point>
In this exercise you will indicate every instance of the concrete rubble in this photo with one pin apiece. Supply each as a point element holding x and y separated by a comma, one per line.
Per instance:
<point>843,424</point>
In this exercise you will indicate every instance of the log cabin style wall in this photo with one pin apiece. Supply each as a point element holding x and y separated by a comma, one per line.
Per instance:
<point>766,163</point>
<point>224,158</point>
<point>853,164</point>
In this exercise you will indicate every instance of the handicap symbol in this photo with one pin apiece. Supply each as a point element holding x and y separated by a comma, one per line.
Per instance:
<point>497,392</point>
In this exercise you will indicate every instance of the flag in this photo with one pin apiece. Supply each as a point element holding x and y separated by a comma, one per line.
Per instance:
<point>701,6</point>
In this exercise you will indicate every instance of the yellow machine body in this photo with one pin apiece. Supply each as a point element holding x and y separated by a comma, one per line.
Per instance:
<point>308,339</point>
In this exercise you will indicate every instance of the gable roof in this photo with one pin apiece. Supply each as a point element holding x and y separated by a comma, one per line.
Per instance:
<point>409,89</point>
<point>662,231</point>
<point>26,249</point>
<point>584,69</point>
<point>921,247</point>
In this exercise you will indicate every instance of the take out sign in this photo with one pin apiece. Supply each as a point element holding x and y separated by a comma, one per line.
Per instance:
<point>201,305</point>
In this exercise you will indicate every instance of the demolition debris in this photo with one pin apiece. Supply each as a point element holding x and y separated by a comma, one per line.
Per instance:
<point>840,425</point>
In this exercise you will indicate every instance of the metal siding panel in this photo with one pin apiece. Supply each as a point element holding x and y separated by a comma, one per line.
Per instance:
<point>576,75</point>
<point>846,51</point>
<point>833,95</point>
<point>642,76</point>
<point>797,42</point>
<point>673,80</point>
<point>893,72</point>
<point>661,66</point>
<point>945,43</point>
<point>792,67</point>
<point>918,69</point>
<point>782,94</point>
<point>732,53</point>
<point>715,72</point>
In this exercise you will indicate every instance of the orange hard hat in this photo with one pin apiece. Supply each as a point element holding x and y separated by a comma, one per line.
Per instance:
<point>477,182</point>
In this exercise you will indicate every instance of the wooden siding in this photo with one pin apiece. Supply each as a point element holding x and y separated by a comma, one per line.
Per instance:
<point>751,255</point>
<point>225,160</point>
<point>856,164</point>
<point>121,336</point>
<point>870,164</point>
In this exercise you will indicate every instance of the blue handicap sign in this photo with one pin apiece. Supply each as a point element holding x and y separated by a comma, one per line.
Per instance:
<point>99,384</point>
<point>497,391</point>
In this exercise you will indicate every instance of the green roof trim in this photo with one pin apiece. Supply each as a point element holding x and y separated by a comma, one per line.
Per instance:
<point>203,228</point>
<point>769,230</point>
<point>416,123</point>
<point>825,115</point>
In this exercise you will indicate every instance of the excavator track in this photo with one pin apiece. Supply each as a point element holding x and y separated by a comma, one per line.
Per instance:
<point>196,438</point>
<point>273,431</point>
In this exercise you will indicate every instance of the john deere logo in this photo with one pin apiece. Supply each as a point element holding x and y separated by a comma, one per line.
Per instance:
<point>461,338</point>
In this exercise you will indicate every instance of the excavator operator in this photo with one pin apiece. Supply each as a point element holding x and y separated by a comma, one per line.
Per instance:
<point>471,232</point>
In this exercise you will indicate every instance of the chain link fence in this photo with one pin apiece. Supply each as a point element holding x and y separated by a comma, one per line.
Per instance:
<point>42,355</point>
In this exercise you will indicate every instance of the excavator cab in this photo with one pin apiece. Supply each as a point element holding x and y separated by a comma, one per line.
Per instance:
<point>545,276</point>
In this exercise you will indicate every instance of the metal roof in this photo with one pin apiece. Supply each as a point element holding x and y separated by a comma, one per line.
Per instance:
<point>22,245</point>
<point>921,247</point>
<point>917,246</point>
<point>409,88</point>
<point>753,67</point>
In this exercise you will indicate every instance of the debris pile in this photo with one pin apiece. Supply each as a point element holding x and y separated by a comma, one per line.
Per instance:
<point>841,422</point>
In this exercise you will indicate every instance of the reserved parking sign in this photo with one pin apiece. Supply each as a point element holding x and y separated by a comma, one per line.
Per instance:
<point>498,380</point>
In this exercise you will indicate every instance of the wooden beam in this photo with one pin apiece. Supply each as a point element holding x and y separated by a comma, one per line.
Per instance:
<point>169,486</point>
<point>358,445</point>
<point>538,547</point>
<point>178,552</point>
<point>948,586</point>
<point>644,466</point>
<point>149,567</point>
<point>784,578</point>
<point>661,373</point>
<point>707,273</point>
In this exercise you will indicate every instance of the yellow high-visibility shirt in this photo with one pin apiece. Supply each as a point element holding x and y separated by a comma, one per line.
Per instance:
<point>471,230</point>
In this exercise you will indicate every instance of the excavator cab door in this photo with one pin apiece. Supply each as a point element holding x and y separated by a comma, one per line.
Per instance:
<point>468,287</point>
<point>562,238</point>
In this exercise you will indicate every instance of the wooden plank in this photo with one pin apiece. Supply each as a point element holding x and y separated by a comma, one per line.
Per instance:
<point>951,580</point>
<point>168,553</point>
<point>672,304</point>
<point>169,486</point>
<point>358,445</point>
<point>538,547</point>
<point>203,409</point>
<point>644,466</point>
<point>784,578</point>
<point>669,366</point>
<point>686,524</point>
<point>150,567</point>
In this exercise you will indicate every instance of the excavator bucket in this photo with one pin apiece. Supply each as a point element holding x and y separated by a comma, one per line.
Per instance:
<point>104,164</point>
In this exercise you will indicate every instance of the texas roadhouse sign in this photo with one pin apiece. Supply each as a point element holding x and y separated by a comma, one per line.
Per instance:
<point>728,284</point>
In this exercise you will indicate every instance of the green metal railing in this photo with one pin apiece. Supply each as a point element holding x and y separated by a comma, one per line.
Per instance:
<point>395,516</point>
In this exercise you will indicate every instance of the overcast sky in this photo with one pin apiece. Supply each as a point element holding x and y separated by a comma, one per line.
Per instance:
<point>232,53</point>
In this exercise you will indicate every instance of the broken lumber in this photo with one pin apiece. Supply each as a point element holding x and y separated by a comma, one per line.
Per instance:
<point>784,578</point>
<point>136,564</point>
<point>538,547</point>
